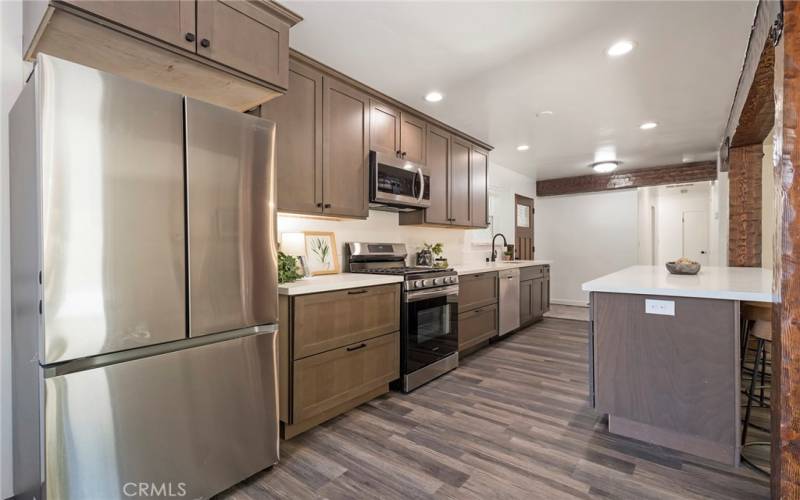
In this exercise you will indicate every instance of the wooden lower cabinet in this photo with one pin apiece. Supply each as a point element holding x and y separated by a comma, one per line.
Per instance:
<point>476,326</point>
<point>325,321</point>
<point>337,350</point>
<point>534,294</point>
<point>477,290</point>
<point>329,379</point>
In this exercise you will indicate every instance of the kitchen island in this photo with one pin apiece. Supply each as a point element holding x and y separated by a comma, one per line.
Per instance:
<point>664,355</point>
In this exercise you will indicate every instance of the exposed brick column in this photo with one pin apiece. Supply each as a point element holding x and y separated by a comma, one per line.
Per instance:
<point>744,231</point>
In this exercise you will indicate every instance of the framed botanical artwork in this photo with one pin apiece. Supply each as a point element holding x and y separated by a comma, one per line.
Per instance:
<point>321,256</point>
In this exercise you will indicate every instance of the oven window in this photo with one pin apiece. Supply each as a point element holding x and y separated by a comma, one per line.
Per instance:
<point>433,323</point>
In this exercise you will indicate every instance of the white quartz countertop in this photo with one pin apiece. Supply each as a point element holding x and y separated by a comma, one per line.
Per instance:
<point>332,282</point>
<point>727,283</point>
<point>481,267</point>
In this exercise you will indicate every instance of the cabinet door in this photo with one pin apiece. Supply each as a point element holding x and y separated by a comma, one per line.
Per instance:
<point>246,37</point>
<point>479,169</point>
<point>345,149</point>
<point>546,294</point>
<point>459,182</point>
<point>384,128</point>
<point>536,298</point>
<point>298,115</point>
<point>525,301</point>
<point>327,380</point>
<point>166,20</point>
<point>477,326</point>
<point>412,138</point>
<point>325,321</point>
<point>438,163</point>
<point>477,290</point>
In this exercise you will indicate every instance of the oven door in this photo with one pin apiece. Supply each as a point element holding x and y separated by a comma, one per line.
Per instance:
<point>399,183</point>
<point>430,326</point>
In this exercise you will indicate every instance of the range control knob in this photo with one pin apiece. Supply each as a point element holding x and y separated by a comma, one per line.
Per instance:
<point>450,279</point>
<point>419,283</point>
<point>438,281</point>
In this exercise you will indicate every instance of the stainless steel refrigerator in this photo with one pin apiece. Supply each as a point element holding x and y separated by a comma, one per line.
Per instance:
<point>144,290</point>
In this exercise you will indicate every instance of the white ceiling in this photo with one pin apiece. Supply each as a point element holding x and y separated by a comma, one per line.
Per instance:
<point>499,63</point>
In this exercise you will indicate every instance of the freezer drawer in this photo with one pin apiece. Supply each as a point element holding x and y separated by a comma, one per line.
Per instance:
<point>197,420</point>
<point>112,212</point>
<point>230,175</point>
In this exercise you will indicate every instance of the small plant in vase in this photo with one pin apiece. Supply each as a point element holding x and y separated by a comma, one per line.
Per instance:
<point>437,249</point>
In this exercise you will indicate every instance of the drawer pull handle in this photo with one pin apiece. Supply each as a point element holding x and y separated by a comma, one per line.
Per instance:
<point>356,292</point>
<point>355,348</point>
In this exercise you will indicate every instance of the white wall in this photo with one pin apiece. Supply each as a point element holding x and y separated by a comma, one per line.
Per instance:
<point>13,74</point>
<point>586,236</point>
<point>670,204</point>
<point>460,245</point>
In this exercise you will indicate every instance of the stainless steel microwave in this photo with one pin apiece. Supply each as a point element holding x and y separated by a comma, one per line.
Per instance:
<point>397,184</point>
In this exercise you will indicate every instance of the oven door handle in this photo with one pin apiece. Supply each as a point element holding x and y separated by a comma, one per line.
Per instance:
<point>421,185</point>
<point>417,295</point>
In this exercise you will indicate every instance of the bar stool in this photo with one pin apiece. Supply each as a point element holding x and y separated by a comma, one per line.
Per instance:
<point>749,313</point>
<point>760,330</point>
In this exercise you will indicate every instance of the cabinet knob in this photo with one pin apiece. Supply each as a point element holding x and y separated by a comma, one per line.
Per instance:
<point>205,42</point>
<point>189,37</point>
<point>319,205</point>
<point>327,205</point>
<point>397,153</point>
<point>403,155</point>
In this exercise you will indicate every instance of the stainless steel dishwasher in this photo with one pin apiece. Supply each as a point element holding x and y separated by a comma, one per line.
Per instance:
<point>509,300</point>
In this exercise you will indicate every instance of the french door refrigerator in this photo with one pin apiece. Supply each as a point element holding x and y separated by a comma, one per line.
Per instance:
<point>144,290</point>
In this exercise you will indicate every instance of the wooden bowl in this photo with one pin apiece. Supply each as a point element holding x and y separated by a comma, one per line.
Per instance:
<point>675,268</point>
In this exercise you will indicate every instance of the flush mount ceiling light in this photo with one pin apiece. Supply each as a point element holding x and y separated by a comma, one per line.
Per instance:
<point>523,147</point>
<point>434,96</point>
<point>648,125</point>
<point>546,112</point>
<point>604,167</point>
<point>620,48</point>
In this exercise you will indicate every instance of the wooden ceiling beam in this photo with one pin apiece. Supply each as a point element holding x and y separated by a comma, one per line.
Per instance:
<point>758,113</point>
<point>627,179</point>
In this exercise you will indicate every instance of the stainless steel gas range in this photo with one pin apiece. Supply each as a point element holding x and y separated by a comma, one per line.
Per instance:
<point>429,321</point>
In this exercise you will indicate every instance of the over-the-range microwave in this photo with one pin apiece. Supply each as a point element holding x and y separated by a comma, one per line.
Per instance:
<point>396,184</point>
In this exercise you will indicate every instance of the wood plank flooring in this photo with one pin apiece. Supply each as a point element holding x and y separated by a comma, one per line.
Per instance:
<point>511,422</point>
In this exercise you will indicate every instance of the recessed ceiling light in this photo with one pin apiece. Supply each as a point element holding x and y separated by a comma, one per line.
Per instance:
<point>620,48</point>
<point>523,147</point>
<point>648,125</point>
<point>434,96</point>
<point>546,112</point>
<point>604,167</point>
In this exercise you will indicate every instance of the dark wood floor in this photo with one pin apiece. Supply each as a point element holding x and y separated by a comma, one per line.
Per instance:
<point>511,422</point>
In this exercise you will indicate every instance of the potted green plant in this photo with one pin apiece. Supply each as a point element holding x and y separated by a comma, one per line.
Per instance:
<point>287,268</point>
<point>437,249</point>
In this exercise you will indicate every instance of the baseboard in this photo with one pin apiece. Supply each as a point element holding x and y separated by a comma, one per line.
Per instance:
<point>565,302</point>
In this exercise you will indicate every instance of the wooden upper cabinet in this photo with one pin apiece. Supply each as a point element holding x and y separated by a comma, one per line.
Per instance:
<point>167,20</point>
<point>298,115</point>
<point>384,128</point>
<point>479,170</point>
<point>345,149</point>
<point>460,155</point>
<point>244,36</point>
<point>438,163</point>
<point>412,138</point>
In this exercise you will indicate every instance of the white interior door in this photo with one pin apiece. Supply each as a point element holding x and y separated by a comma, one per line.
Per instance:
<point>695,235</point>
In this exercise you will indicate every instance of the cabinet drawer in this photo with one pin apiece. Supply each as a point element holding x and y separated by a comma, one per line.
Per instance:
<point>329,379</point>
<point>476,326</point>
<point>326,321</point>
<point>529,273</point>
<point>477,290</point>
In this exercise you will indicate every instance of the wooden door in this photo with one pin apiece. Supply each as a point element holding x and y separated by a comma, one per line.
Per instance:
<point>345,149</point>
<point>545,294</point>
<point>525,301</point>
<point>438,163</point>
<point>246,37</point>
<point>384,128</point>
<point>298,116</point>
<point>479,171</point>
<point>412,138</point>
<point>460,152</point>
<point>171,21</point>
<point>523,227</point>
